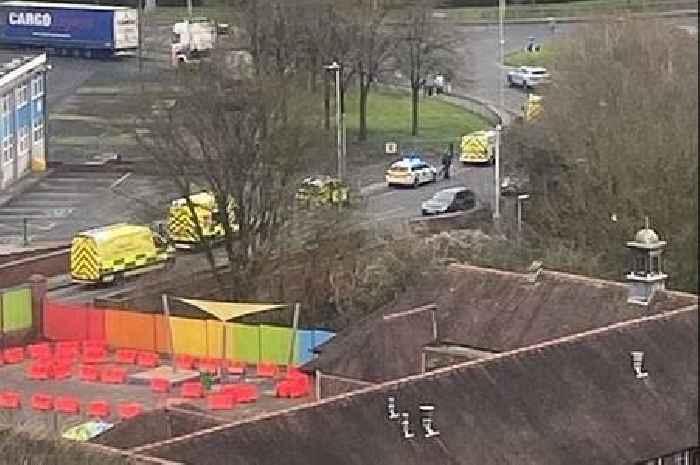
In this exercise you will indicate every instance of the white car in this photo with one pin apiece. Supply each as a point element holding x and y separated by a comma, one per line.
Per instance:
<point>410,172</point>
<point>528,76</point>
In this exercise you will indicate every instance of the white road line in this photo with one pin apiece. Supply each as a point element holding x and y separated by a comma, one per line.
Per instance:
<point>119,181</point>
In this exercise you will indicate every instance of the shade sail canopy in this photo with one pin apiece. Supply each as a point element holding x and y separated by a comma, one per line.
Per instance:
<point>225,311</point>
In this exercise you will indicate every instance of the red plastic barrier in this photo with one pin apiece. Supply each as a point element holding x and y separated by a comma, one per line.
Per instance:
<point>209,365</point>
<point>94,353</point>
<point>192,390</point>
<point>221,401</point>
<point>241,392</point>
<point>184,361</point>
<point>67,404</point>
<point>39,371</point>
<point>113,376</point>
<point>148,359</point>
<point>89,373</point>
<point>98,408</point>
<point>292,388</point>
<point>14,355</point>
<point>71,322</point>
<point>160,385</point>
<point>126,356</point>
<point>129,410</point>
<point>67,350</point>
<point>61,369</point>
<point>42,402</point>
<point>10,400</point>
<point>266,370</point>
<point>236,368</point>
<point>40,351</point>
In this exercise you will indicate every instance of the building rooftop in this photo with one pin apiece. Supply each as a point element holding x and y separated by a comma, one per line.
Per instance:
<point>486,309</point>
<point>571,400</point>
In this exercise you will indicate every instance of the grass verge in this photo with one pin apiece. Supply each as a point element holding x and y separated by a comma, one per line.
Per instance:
<point>524,58</point>
<point>389,119</point>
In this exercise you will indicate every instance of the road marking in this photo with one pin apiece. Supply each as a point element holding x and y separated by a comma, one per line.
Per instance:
<point>120,180</point>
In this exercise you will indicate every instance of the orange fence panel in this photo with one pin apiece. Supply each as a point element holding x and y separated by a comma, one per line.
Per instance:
<point>130,329</point>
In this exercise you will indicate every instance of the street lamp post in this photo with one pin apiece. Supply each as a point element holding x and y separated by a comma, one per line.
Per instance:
<point>336,67</point>
<point>497,175</point>
<point>501,45</point>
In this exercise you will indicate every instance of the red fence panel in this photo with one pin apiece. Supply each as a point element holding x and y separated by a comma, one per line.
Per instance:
<point>72,322</point>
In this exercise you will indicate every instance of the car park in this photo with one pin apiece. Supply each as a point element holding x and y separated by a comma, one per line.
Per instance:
<point>528,77</point>
<point>410,172</point>
<point>449,200</point>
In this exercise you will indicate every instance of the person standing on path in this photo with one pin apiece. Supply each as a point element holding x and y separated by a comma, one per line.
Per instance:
<point>447,161</point>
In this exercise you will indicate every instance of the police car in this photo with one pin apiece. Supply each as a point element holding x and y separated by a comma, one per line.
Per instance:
<point>410,172</point>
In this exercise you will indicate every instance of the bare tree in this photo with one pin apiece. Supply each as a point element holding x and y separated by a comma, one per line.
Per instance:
<point>618,141</point>
<point>425,47</point>
<point>248,141</point>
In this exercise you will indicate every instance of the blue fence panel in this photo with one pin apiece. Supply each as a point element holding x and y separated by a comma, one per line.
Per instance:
<point>307,341</point>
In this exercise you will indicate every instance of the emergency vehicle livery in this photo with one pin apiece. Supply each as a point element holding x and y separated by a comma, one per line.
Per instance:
<point>182,229</point>
<point>323,190</point>
<point>411,171</point>
<point>478,147</point>
<point>102,255</point>
<point>69,29</point>
<point>532,108</point>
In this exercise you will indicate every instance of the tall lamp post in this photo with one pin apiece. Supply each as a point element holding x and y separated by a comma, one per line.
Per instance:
<point>497,175</point>
<point>501,45</point>
<point>336,67</point>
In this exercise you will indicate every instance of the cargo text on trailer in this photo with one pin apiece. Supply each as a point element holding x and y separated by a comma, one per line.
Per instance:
<point>70,29</point>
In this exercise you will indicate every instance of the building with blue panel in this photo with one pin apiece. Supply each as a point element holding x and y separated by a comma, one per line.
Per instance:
<point>23,118</point>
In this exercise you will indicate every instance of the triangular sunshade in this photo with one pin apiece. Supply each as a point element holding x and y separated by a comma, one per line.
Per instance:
<point>225,311</point>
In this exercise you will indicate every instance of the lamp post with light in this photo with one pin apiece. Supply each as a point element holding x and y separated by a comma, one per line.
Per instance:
<point>336,68</point>
<point>497,175</point>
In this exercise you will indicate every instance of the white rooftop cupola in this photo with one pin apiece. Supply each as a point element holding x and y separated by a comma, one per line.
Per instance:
<point>645,275</point>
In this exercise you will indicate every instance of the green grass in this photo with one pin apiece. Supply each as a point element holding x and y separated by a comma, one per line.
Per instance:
<point>573,8</point>
<point>389,119</point>
<point>524,58</point>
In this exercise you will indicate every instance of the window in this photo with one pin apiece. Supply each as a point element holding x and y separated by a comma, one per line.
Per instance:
<point>37,86</point>
<point>7,154</point>
<point>38,129</point>
<point>23,139</point>
<point>21,96</point>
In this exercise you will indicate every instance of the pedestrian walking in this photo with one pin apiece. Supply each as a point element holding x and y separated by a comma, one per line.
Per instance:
<point>447,162</point>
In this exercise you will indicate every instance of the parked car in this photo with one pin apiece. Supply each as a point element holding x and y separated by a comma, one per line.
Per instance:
<point>528,77</point>
<point>449,200</point>
<point>513,185</point>
<point>410,172</point>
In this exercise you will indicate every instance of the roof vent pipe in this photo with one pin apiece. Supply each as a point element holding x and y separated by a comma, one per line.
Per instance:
<point>427,420</point>
<point>406,426</point>
<point>638,364</point>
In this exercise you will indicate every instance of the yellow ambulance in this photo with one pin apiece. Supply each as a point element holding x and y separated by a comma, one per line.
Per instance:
<point>108,253</point>
<point>181,226</point>
<point>478,147</point>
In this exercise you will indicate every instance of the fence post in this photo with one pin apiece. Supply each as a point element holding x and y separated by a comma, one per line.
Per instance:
<point>318,384</point>
<point>38,285</point>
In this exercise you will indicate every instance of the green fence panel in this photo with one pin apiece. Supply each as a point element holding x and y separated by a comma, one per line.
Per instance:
<point>275,344</point>
<point>245,341</point>
<point>16,309</point>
